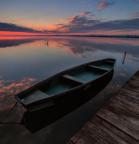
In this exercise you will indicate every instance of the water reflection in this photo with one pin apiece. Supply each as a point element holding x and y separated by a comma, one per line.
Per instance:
<point>24,62</point>
<point>77,45</point>
<point>10,43</point>
<point>8,89</point>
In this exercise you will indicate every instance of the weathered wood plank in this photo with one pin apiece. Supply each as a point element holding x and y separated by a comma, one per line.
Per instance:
<point>133,85</point>
<point>117,122</point>
<point>98,131</point>
<point>123,112</point>
<point>134,96</point>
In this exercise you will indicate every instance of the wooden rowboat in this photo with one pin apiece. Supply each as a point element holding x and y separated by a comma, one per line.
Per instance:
<point>68,86</point>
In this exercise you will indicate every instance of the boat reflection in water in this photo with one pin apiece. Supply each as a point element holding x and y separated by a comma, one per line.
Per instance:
<point>42,116</point>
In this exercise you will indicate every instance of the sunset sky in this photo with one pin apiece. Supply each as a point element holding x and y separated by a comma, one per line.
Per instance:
<point>70,16</point>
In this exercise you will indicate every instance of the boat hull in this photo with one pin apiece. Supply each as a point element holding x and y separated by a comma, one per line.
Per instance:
<point>36,119</point>
<point>79,90</point>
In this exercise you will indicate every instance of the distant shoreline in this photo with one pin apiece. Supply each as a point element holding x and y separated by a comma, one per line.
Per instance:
<point>74,35</point>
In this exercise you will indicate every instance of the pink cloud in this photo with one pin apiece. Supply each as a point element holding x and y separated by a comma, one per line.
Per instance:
<point>87,23</point>
<point>87,13</point>
<point>104,4</point>
<point>75,23</point>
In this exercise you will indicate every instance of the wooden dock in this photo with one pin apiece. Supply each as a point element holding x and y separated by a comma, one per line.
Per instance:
<point>117,122</point>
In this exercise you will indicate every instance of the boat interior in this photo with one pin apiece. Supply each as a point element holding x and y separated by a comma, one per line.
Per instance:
<point>68,80</point>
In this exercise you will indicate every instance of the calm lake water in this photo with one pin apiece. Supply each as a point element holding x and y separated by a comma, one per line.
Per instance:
<point>24,62</point>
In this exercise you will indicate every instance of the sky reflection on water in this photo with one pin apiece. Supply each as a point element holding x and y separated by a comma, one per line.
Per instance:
<point>39,59</point>
<point>25,62</point>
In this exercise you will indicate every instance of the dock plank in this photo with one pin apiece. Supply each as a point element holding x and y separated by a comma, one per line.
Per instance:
<point>123,112</point>
<point>98,131</point>
<point>115,123</point>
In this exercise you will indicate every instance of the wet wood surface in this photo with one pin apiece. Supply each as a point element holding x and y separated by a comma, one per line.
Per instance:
<point>115,123</point>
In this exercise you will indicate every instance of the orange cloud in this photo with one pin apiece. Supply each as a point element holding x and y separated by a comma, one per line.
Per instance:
<point>52,27</point>
<point>36,26</point>
<point>56,28</point>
